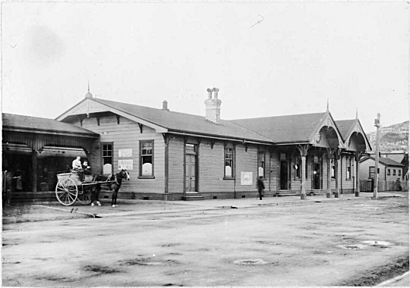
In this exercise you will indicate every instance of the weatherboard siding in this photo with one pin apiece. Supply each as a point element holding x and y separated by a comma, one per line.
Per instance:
<point>211,168</point>
<point>127,135</point>
<point>176,165</point>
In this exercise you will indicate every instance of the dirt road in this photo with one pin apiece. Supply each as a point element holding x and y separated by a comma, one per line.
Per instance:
<point>304,244</point>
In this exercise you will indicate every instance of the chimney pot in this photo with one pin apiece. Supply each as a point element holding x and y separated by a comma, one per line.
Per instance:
<point>165,105</point>
<point>213,106</point>
<point>209,90</point>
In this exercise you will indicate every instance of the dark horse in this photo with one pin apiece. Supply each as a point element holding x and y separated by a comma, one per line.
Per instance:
<point>114,182</point>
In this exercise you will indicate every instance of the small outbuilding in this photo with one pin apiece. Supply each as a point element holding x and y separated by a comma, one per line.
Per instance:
<point>390,174</point>
<point>36,149</point>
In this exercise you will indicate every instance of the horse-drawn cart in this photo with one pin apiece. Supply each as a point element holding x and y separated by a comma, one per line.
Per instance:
<point>71,189</point>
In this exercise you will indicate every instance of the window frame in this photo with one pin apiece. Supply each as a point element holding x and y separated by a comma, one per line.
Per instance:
<point>141,143</point>
<point>229,146</point>
<point>261,152</point>
<point>349,168</point>
<point>103,157</point>
<point>372,171</point>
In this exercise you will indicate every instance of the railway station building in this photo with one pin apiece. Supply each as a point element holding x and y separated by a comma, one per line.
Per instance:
<point>174,156</point>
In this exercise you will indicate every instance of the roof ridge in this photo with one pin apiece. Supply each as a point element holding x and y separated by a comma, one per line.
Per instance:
<point>279,116</point>
<point>143,106</point>
<point>382,159</point>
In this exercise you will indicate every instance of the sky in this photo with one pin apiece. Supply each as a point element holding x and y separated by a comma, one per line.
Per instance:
<point>267,58</point>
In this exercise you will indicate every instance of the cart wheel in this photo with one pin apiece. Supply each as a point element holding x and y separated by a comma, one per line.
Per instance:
<point>84,195</point>
<point>66,192</point>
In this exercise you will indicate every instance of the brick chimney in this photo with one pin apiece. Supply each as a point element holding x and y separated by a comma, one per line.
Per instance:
<point>165,105</point>
<point>213,106</point>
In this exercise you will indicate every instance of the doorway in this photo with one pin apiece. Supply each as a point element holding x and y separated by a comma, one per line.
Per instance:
<point>316,176</point>
<point>284,175</point>
<point>191,170</point>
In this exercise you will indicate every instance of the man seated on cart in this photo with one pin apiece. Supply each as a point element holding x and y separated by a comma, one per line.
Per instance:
<point>78,167</point>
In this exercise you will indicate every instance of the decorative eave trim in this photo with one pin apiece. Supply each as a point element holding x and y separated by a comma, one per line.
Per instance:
<point>352,130</point>
<point>327,121</point>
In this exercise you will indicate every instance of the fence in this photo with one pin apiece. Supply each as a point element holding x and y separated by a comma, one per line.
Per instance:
<point>368,185</point>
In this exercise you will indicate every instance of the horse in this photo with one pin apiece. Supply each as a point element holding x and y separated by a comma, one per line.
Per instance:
<point>115,186</point>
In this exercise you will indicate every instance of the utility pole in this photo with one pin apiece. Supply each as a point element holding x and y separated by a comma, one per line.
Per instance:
<point>376,165</point>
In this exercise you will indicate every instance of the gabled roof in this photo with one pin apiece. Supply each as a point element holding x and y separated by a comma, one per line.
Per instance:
<point>385,161</point>
<point>345,126</point>
<point>41,125</point>
<point>183,122</point>
<point>283,129</point>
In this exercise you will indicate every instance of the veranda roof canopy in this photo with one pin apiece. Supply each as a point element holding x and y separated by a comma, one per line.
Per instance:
<point>56,151</point>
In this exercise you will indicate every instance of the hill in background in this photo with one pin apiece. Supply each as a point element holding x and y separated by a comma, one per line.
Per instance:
<point>392,138</point>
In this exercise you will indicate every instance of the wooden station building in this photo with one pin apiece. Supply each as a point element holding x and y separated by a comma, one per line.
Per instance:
<point>173,156</point>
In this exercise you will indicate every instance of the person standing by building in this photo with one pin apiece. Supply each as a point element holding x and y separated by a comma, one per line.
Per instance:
<point>260,186</point>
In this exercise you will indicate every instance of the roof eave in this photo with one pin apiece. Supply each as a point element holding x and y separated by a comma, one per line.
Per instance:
<point>125,114</point>
<point>219,137</point>
<point>50,132</point>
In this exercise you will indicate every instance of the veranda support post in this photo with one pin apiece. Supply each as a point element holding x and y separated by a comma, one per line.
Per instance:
<point>329,176</point>
<point>303,150</point>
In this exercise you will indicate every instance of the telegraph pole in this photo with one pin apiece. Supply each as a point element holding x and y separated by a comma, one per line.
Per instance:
<point>376,165</point>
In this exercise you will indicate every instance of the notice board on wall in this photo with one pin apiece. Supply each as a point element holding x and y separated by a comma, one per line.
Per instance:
<point>125,152</point>
<point>125,164</point>
<point>246,178</point>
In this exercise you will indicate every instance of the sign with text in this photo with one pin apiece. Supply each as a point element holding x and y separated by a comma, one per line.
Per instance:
<point>125,153</point>
<point>246,178</point>
<point>125,164</point>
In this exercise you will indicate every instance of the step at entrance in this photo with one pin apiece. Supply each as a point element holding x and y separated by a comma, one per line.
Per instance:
<point>192,196</point>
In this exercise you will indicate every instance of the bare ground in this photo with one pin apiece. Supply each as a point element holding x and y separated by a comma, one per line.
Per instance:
<point>316,243</point>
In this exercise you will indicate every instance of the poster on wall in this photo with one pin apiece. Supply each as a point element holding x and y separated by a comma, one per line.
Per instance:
<point>246,178</point>
<point>125,153</point>
<point>125,164</point>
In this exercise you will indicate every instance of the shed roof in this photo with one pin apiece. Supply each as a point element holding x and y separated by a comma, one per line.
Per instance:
<point>37,124</point>
<point>384,160</point>
<point>283,129</point>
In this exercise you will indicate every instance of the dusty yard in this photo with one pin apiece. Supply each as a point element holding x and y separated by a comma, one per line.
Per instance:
<point>316,243</point>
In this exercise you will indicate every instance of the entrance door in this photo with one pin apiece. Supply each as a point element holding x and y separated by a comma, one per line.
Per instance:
<point>316,176</point>
<point>284,173</point>
<point>19,167</point>
<point>190,168</point>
